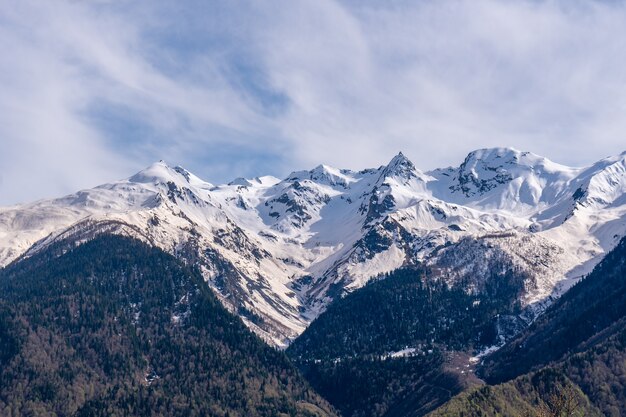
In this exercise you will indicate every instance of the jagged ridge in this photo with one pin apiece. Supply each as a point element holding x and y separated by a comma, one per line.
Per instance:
<point>278,251</point>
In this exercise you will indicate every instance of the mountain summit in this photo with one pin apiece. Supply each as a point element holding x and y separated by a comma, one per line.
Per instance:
<point>400,167</point>
<point>278,251</point>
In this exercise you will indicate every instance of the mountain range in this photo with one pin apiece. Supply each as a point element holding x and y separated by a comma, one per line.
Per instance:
<point>277,252</point>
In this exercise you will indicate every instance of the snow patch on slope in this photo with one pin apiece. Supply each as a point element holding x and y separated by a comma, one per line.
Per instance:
<point>278,251</point>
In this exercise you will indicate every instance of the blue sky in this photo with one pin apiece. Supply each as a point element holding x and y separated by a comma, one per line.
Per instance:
<point>93,91</point>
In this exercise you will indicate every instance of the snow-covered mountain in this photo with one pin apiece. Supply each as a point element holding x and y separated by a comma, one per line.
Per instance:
<point>278,251</point>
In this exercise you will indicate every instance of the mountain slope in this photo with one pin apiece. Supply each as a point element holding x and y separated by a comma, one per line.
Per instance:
<point>580,340</point>
<point>396,346</point>
<point>401,345</point>
<point>591,307</point>
<point>407,308</point>
<point>173,210</point>
<point>592,378</point>
<point>277,252</point>
<point>547,392</point>
<point>114,327</point>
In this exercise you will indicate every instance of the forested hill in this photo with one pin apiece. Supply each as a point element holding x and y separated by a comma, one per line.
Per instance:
<point>114,327</point>
<point>406,308</point>
<point>387,348</point>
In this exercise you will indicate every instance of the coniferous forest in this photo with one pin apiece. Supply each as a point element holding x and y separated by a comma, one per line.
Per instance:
<point>348,349</point>
<point>116,328</point>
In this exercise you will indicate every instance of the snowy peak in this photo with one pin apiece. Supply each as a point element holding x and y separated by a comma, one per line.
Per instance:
<point>296,204</point>
<point>511,160</point>
<point>161,173</point>
<point>324,174</point>
<point>176,184</point>
<point>241,182</point>
<point>401,169</point>
<point>400,161</point>
<point>603,183</point>
<point>400,185</point>
<point>505,179</point>
<point>279,250</point>
<point>497,156</point>
<point>486,169</point>
<point>158,172</point>
<point>256,182</point>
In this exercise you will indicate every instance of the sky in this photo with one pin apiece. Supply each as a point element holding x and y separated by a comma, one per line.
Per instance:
<point>92,91</point>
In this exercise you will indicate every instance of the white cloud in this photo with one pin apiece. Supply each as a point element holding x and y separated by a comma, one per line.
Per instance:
<point>94,90</point>
<point>438,79</point>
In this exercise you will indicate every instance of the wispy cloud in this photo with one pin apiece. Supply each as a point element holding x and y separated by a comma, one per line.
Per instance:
<point>92,91</point>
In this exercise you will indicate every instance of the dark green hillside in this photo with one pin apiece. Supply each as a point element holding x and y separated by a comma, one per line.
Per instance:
<point>407,308</point>
<point>397,387</point>
<point>344,352</point>
<point>547,393</point>
<point>594,379</point>
<point>116,328</point>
